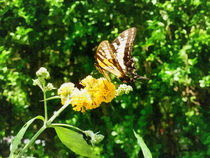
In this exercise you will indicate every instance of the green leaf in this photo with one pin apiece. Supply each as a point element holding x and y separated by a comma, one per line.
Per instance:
<point>19,136</point>
<point>145,149</point>
<point>74,141</point>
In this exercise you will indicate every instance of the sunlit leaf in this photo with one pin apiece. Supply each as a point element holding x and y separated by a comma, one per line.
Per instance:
<point>145,149</point>
<point>74,141</point>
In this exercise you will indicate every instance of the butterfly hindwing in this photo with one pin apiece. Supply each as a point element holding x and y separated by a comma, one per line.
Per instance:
<point>122,47</point>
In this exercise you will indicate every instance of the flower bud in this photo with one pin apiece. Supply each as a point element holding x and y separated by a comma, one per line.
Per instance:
<point>50,87</point>
<point>43,73</point>
<point>95,137</point>
<point>123,89</point>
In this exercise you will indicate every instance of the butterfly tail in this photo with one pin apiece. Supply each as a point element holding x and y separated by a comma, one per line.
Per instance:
<point>137,77</point>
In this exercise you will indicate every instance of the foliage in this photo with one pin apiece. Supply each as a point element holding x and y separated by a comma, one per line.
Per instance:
<point>171,48</point>
<point>145,150</point>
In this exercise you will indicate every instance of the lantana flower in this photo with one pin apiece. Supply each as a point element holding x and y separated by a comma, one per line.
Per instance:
<point>95,92</point>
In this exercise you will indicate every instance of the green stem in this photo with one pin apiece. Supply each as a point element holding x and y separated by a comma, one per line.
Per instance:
<point>31,141</point>
<point>45,107</point>
<point>57,113</point>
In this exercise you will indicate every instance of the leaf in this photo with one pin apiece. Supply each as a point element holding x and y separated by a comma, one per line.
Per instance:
<point>145,149</point>
<point>19,136</point>
<point>74,141</point>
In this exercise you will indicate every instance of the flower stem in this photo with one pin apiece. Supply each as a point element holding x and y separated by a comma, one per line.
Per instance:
<point>45,107</point>
<point>57,113</point>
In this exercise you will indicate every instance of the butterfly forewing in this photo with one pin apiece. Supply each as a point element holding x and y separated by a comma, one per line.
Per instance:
<point>106,60</point>
<point>102,71</point>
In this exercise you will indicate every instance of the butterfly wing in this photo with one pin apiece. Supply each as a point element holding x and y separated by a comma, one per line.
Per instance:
<point>106,61</point>
<point>122,48</point>
<point>102,71</point>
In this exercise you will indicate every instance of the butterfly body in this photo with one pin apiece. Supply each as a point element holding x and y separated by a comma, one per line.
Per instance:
<point>116,57</point>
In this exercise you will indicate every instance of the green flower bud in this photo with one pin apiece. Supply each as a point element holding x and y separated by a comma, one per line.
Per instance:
<point>43,73</point>
<point>36,82</point>
<point>95,137</point>
<point>50,87</point>
<point>123,89</point>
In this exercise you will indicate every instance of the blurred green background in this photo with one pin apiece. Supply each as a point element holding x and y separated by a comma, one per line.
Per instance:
<point>171,111</point>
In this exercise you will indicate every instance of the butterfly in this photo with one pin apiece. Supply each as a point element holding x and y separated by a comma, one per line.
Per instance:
<point>116,57</point>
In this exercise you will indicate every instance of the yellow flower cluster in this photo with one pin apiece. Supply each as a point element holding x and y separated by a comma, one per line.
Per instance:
<point>95,92</point>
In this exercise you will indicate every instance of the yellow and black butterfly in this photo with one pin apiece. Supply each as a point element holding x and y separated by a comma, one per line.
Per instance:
<point>116,57</point>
